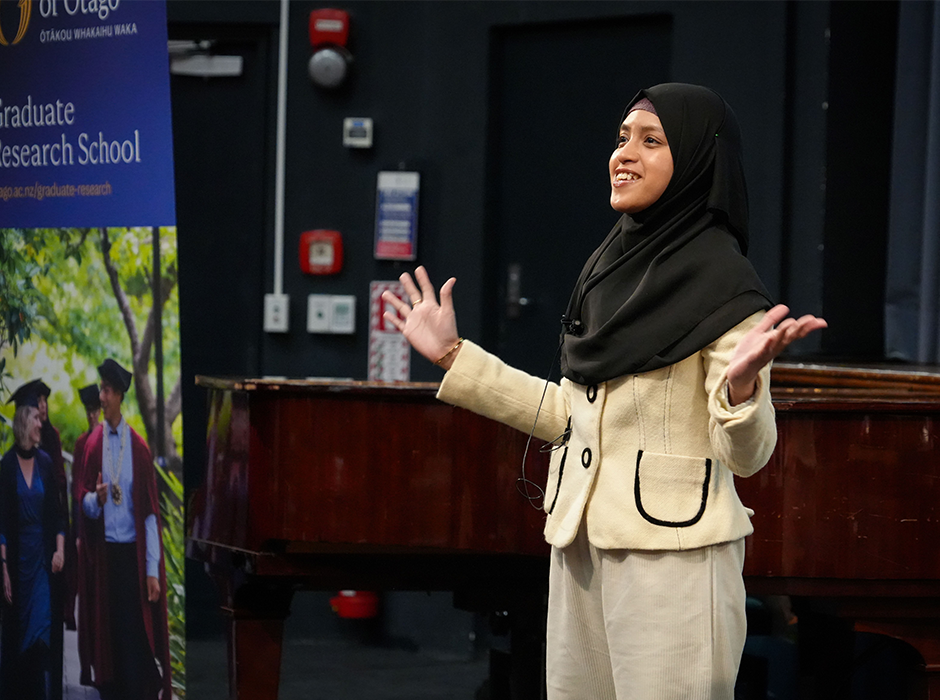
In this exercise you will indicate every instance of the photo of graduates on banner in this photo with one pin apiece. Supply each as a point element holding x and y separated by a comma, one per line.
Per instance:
<point>91,495</point>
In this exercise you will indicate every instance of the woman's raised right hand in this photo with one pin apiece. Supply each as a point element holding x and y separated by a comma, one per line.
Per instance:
<point>429,326</point>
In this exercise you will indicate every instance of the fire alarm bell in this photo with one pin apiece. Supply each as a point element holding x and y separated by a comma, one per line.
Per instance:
<point>329,32</point>
<point>321,252</point>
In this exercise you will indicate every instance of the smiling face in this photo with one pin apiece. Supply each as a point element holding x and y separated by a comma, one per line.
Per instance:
<point>641,164</point>
<point>110,403</point>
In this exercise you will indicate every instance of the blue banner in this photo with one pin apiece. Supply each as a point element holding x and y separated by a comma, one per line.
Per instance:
<point>85,128</point>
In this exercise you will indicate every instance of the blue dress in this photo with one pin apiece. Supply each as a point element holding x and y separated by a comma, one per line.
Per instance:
<point>30,518</point>
<point>34,607</point>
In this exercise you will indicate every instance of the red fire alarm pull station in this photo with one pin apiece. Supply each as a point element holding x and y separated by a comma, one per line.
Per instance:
<point>329,27</point>
<point>321,252</point>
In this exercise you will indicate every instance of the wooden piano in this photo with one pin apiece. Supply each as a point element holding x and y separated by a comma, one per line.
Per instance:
<point>331,485</point>
<point>354,485</point>
<point>847,511</point>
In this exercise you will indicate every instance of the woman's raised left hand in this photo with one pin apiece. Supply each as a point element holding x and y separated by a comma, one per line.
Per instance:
<point>762,344</point>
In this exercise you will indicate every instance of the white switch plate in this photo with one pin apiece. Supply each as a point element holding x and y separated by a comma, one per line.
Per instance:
<point>357,132</point>
<point>276,313</point>
<point>343,318</point>
<point>319,313</point>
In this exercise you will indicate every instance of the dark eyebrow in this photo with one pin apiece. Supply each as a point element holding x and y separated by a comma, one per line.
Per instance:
<point>644,129</point>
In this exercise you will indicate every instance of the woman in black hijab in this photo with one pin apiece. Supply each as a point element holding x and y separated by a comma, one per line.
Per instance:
<point>665,355</point>
<point>684,253</point>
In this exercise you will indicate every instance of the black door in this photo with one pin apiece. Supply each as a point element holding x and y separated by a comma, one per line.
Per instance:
<point>557,93</point>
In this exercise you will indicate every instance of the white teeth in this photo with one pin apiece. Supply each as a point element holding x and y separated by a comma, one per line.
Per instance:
<point>625,176</point>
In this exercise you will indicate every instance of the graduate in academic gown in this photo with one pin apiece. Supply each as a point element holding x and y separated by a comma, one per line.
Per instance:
<point>32,544</point>
<point>51,444</point>
<point>124,576</point>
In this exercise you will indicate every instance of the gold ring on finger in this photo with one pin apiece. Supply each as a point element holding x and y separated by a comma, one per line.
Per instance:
<point>415,303</point>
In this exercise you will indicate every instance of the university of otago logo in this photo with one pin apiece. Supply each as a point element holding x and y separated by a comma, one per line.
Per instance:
<point>25,8</point>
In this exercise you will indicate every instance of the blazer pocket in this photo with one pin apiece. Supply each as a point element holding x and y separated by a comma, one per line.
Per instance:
<point>671,490</point>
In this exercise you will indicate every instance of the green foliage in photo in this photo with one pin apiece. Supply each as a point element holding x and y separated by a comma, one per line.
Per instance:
<point>174,555</point>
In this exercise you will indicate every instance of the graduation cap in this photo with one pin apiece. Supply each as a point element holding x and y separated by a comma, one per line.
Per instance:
<point>89,396</point>
<point>28,394</point>
<point>115,375</point>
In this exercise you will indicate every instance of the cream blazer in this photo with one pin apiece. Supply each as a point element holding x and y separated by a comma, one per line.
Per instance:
<point>646,460</point>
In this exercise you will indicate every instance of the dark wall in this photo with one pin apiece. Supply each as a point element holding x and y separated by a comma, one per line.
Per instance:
<point>863,42</point>
<point>804,167</point>
<point>422,73</point>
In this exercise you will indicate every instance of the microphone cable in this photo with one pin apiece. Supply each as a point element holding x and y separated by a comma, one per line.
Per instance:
<point>523,483</point>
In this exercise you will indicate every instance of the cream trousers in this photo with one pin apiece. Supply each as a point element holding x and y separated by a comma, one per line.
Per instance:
<point>639,625</point>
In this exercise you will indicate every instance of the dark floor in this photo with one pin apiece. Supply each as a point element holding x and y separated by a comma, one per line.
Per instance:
<point>421,648</point>
<point>437,653</point>
<point>329,669</point>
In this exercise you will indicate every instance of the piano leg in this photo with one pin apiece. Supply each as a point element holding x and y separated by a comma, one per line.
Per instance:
<point>527,645</point>
<point>928,685</point>
<point>255,612</point>
<point>520,674</point>
<point>826,646</point>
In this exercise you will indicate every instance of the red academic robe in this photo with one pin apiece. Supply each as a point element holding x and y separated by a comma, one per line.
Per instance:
<point>93,586</point>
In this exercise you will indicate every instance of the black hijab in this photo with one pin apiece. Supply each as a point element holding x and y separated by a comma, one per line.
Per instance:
<point>671,279</point>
